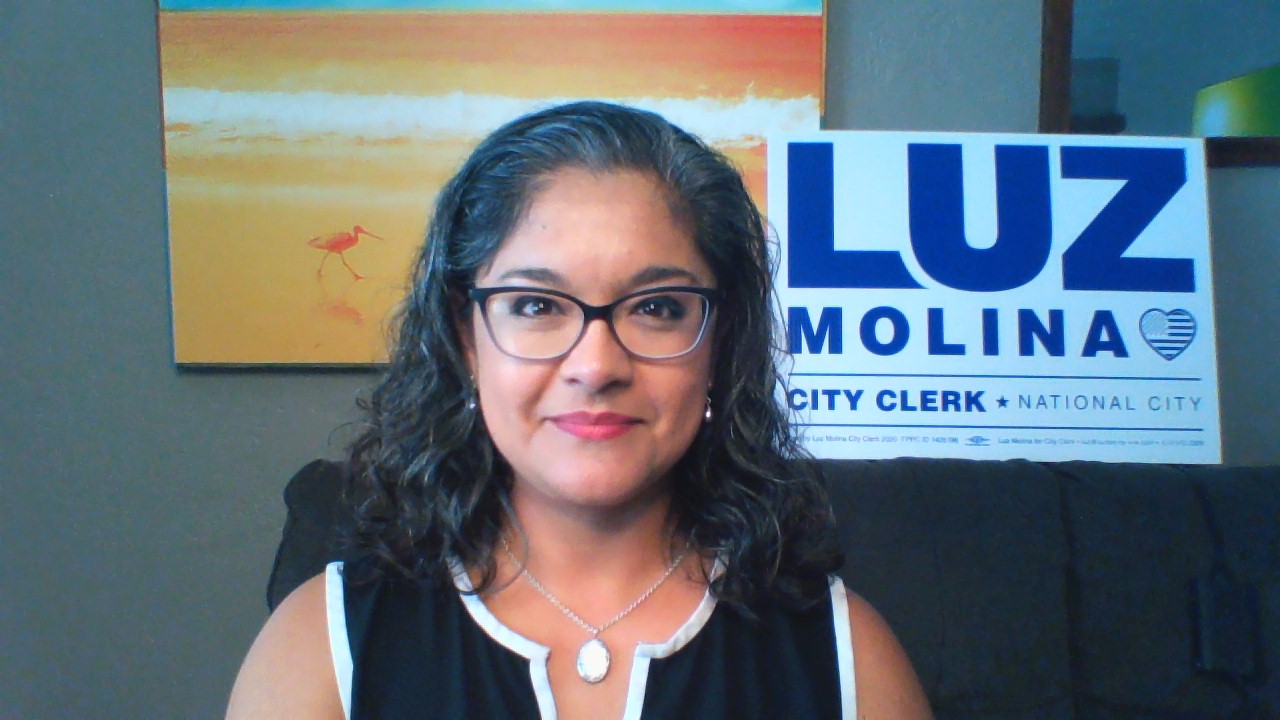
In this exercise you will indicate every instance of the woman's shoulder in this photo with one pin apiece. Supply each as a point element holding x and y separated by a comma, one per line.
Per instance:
<point>887,685</point>
<point>289,670</point>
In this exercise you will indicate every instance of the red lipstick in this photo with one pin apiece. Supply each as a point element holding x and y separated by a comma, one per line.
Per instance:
<point>595,426</point>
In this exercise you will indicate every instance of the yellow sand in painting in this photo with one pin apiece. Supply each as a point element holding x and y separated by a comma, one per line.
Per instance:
<point>248,287</point>
<point>284,128</point>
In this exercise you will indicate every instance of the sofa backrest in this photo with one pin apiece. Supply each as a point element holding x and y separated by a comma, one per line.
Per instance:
<point>1021,589</point>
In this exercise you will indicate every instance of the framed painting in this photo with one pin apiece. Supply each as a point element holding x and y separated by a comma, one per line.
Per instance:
<point>305,139</point>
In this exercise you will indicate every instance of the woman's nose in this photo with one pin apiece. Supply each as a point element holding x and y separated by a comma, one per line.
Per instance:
<point>598,360</point>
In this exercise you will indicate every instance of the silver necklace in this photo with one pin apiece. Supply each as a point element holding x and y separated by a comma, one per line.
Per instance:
<point>593,656</point>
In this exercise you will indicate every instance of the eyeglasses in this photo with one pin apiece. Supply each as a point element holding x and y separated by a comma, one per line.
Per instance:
<point>540,324</point>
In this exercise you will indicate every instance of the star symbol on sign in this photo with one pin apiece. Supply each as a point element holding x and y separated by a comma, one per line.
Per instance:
<point>1002,401</point>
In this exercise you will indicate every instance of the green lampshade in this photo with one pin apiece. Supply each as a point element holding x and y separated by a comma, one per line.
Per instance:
<point>1248,105</point>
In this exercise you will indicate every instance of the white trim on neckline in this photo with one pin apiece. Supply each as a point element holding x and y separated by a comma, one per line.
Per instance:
<point>645,652</point>
<point>537,653</point>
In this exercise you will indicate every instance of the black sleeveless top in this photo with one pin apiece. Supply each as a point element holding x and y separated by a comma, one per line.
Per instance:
<point>402,649</point>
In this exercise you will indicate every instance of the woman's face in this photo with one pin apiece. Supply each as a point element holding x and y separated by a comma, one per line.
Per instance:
<point>597,427</point>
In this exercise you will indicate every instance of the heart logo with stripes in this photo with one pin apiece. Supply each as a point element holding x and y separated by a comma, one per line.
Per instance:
<point>1168,333</point>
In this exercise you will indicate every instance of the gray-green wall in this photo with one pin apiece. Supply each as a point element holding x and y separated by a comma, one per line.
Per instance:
<point>140,505</point>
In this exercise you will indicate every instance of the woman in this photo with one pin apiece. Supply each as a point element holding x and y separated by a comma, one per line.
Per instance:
<point>578,495</point>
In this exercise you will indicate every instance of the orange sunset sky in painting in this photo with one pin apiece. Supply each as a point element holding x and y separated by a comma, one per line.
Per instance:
<point>288,127</point>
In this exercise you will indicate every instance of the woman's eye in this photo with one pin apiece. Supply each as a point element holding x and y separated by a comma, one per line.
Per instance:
<point>661,308</point>
<point>533,306</point>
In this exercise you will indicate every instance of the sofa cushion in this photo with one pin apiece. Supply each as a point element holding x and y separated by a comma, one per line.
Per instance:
<point>1245,503</point>
<point>1142,538</point>
<point>966,562</point>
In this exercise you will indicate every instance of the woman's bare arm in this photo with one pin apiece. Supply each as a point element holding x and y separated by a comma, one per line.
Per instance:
<point>887,686</point>
<point>288,673</point>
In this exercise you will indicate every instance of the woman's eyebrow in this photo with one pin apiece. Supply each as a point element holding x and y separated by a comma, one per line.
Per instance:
<point>536,274</point>
<point>663,273</point>
<point>647,276</point>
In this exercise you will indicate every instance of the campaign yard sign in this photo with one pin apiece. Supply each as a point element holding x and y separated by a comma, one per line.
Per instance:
<point>996,296</point>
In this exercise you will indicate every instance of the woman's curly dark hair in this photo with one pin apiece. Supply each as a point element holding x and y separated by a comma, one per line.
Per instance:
<point>428,484</point>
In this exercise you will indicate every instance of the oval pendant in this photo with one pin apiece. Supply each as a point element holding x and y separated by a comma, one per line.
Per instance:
<point>593,660</point>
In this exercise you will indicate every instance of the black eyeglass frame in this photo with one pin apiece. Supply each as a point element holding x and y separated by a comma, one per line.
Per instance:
<point>712,296</point>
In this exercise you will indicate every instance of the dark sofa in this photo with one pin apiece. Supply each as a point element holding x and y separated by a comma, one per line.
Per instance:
<point>1044,591</point>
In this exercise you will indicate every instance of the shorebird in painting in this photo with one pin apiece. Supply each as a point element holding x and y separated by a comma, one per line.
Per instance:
<point>337,244</point>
